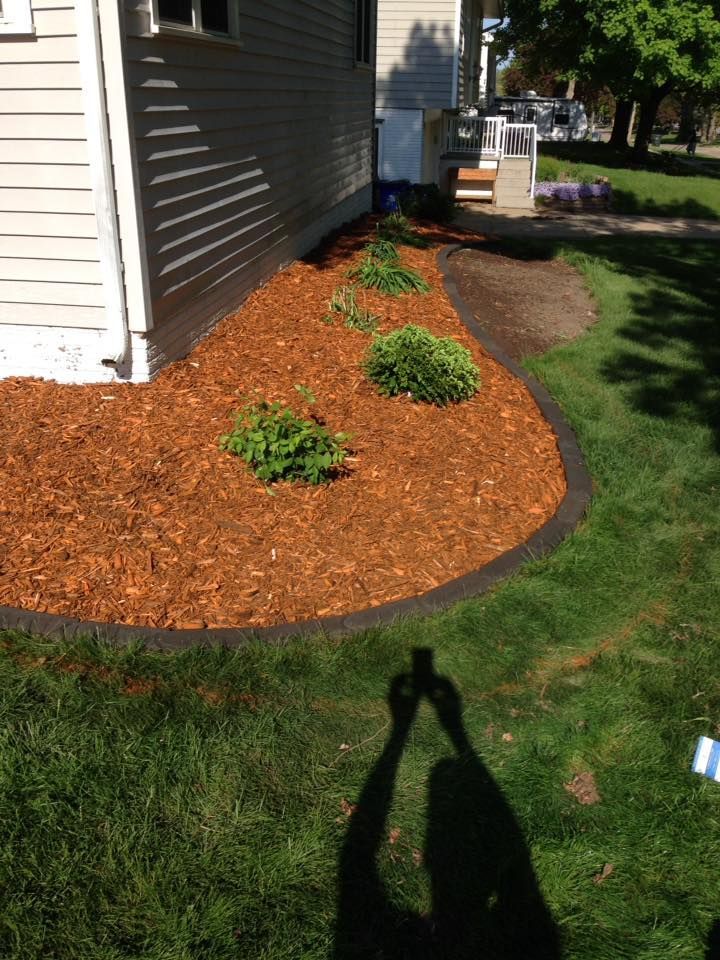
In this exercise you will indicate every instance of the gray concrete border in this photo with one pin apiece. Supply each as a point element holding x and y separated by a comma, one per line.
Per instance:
<point>569,514</point>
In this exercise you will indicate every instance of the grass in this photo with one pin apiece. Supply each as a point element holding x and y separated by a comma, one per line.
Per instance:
<point>665,188</point>
<point>196,805</point>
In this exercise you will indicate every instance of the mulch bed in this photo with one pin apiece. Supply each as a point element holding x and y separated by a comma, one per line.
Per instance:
<point>117,505</point>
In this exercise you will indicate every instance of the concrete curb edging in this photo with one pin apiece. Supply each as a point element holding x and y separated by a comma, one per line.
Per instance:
<point>568,515</point>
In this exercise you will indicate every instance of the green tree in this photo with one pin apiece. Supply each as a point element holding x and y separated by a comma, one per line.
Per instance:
<point>641,49</point>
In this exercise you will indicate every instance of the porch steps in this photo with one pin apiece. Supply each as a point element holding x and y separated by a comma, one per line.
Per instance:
<point>472,183</point>
<point>512,188</point>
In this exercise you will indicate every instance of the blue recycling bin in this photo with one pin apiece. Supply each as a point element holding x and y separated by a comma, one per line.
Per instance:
<point>390,193</point>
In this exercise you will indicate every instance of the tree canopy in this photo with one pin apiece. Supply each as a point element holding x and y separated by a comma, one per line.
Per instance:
<point>640,49</point>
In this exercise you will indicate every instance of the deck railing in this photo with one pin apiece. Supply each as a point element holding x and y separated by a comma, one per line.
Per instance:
<point>474,135</point>
<point>493,137</point>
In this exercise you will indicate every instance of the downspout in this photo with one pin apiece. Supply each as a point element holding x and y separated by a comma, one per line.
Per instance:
<point>116,345</point>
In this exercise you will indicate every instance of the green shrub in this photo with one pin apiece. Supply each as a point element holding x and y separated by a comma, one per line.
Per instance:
<point>382,250</point>
<point>397,228</point>
<point>344,304</point>
<point>388,276</point>
<point>432,369</point>
<point>278,445</point>
<point>427,202</point>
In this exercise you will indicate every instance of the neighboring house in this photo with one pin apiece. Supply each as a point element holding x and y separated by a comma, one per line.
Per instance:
<point>161,158</point>
<point>431,57</point>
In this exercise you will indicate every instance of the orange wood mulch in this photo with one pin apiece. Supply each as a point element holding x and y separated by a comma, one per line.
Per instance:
<point>117,505</point>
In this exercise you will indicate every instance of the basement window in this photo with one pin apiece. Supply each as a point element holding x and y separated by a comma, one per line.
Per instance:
<point>196,16</point>
<point>16,18</point>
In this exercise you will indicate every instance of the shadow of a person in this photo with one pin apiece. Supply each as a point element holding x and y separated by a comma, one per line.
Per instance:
<point>486,904</point>
<point>713,943</point>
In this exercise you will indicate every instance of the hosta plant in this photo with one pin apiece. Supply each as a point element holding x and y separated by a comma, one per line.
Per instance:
<point>278,445</point>
<point>431,369</point>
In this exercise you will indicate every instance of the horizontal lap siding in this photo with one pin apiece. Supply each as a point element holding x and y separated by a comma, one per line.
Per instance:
<point>244,152</point>
<point>415,48</point>
<point>49,269</point>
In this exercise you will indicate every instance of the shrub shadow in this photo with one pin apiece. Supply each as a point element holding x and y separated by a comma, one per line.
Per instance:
<point>485,898</point>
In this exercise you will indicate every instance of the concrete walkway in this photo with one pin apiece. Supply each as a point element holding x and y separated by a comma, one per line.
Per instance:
<point>529,223</point>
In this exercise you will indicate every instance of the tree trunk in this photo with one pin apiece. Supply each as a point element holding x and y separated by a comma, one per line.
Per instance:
<point>687,118</point>
<point>648,111</point>
<point>570,90</point>
<point>621,124</point>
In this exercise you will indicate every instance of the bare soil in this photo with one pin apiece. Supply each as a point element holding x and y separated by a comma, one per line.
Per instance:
<point>116,503</point>
<point>527,306</point>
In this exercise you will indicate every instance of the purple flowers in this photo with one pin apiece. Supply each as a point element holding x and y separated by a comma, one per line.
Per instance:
<point>573,191</point>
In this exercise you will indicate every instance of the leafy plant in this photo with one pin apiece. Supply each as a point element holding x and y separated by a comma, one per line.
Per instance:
<point>397,228</point>
<point>431,369</point>
<point>427,202</point>
<point>278,445</point>
<point>388,276</point>
<point>344,303</point>
<point>382,249</point>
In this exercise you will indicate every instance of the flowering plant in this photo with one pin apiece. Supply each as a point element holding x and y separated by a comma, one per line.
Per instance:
<point>573,191</point>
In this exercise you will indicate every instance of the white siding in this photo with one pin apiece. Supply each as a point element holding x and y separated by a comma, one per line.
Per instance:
<point>415,53</point>
<point>471,18</point>
<point>401,145</point>
<point>49,271</point>
<point>244,150</point>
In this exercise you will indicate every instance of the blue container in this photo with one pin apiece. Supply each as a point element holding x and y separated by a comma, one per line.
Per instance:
<point>390,193</point>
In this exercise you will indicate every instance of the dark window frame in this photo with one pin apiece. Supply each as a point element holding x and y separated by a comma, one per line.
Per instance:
<point>363,32</point>
<point>194,18</point>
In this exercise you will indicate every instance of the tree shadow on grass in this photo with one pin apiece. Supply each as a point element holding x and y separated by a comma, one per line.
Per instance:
<point>666,356</point>
<point>486,904</point>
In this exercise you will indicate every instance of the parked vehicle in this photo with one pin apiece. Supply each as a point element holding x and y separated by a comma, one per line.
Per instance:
<point>556,118</point>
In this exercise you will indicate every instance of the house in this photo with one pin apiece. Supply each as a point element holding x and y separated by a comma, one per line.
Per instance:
<point>435,79</point>
<point>159,159</point>
<point>429,58</point>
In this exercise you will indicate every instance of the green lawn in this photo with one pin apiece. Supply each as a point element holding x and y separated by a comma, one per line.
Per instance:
<point>197,806</point>
<point>665,188</point>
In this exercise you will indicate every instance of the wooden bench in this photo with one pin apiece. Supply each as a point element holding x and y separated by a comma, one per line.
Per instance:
<point>465,182</point>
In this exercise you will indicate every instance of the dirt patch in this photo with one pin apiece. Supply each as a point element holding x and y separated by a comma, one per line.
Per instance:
<point>117,505</point>
<point>527,306</point>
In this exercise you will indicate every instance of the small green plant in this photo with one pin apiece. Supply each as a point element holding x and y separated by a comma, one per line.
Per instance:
<point>388,276</point>
<point>278,445</point>
<point>427,202</point>
<point>382,250</point>
<point>431,369</point>
<point>344,304</point>
<point>397,228</point>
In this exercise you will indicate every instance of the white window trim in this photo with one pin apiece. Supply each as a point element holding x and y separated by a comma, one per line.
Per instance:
<point>16,18</point>
<point>181,29</point>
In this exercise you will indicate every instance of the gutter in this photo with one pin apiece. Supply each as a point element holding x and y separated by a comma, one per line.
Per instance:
<point>116,345</point>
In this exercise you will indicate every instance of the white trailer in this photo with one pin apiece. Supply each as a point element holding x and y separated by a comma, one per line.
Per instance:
<point>556,118</point>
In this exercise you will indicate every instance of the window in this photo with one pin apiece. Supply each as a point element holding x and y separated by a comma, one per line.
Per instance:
<point>530,114</point>
<point>202,16</point>
<point>363,23</point>
<point>16,18</point>
<point>562,117</point>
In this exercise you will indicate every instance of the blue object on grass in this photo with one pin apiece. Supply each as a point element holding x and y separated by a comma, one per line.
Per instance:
<point>707,758</point>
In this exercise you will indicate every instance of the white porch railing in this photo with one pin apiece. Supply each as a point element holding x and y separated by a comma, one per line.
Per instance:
<point>493,137</point>
<point>474,135</point>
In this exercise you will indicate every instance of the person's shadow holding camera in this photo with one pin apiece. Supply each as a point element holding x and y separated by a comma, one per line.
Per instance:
<point>486,904</point>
